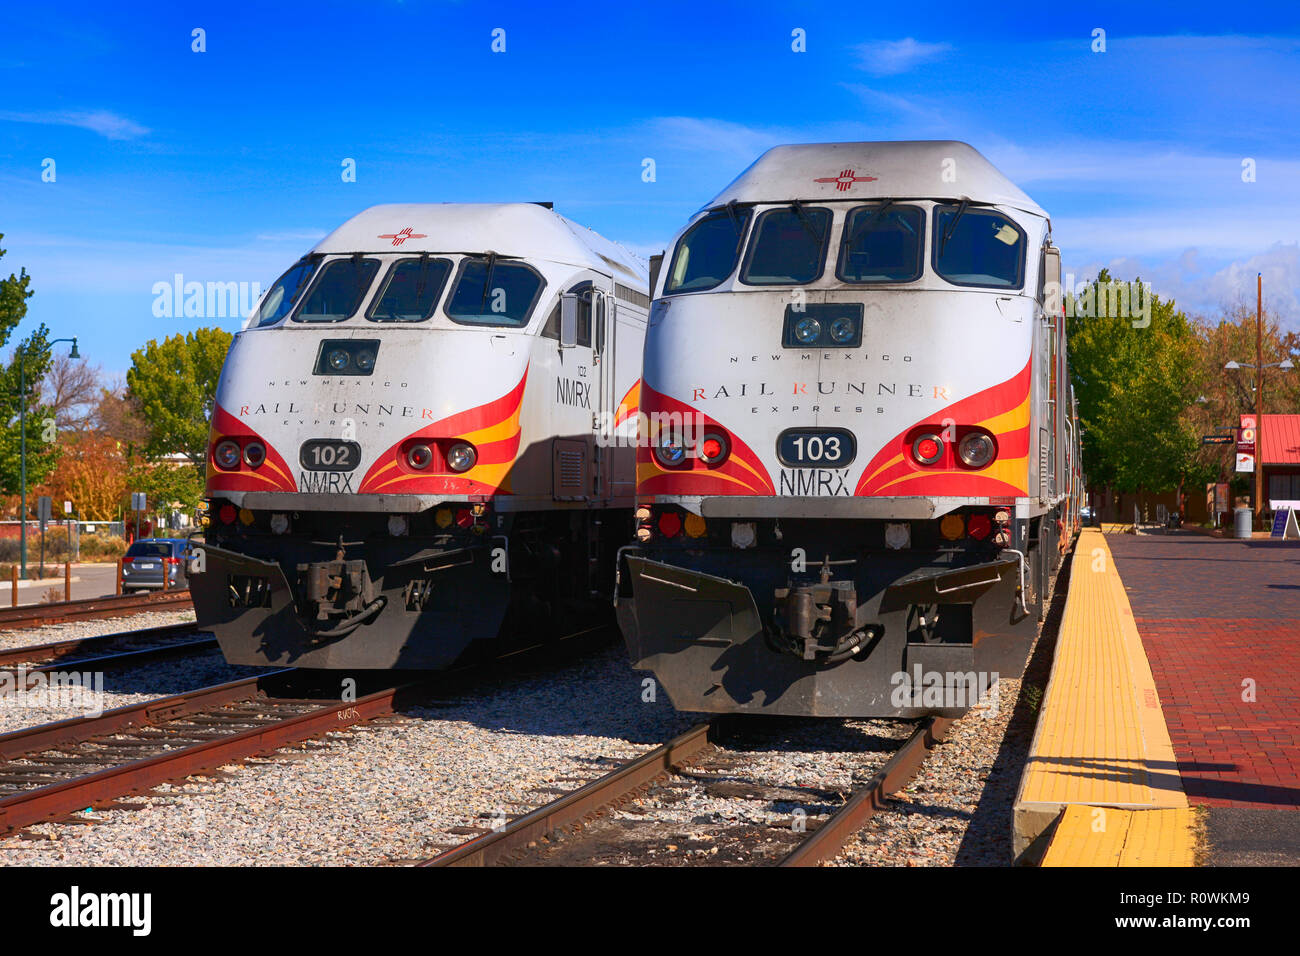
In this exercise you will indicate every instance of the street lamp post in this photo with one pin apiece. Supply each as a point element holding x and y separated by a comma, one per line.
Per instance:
<point>22,447</point>
<point>1259,367</point>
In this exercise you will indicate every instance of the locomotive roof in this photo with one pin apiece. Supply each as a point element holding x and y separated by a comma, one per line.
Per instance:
<point>522,230</point>
<point>888,170</point>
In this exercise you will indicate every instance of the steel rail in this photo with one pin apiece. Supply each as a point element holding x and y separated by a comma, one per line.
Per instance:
<point>61,650</point>
<point>827,840</point>
<point>55,799</point>
<point>85,609</point>
<point>585,802</point>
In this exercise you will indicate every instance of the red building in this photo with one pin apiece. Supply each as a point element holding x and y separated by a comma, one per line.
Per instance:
<point>1279,456</point>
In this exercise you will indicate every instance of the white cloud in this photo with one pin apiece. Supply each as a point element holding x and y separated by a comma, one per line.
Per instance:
<point>294,235</point>
<point>1209,287</point>
<point>891,57</point>
<point>105,123</point>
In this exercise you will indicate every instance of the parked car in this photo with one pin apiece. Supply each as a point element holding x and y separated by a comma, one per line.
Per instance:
<point>146,561</point>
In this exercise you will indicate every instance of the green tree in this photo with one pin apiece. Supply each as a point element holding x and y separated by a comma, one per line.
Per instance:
<point>173,384</point>
<point>42,451</point>
<point>1134,384</point>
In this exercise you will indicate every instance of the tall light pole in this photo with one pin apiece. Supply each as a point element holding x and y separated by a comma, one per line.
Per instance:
<point>22,446</point>
<point>1259,367</point>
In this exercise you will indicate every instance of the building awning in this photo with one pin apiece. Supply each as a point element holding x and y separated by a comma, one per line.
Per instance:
<point>1280,440</point>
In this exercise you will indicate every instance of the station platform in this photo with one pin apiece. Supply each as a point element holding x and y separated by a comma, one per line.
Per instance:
<point>1169,733</point>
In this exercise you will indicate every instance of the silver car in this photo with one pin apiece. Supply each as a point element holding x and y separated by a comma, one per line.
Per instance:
<point>148,559</point>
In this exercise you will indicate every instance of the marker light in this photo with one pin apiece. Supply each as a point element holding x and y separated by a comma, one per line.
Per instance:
<point>713,450</point>
<point>842,330</point>
<point>743,534</point>
<point>979,527</point>
<point>442,517</point>
<point>461,456</point>
<point>927,449</point>
<point>976,450</point>
<point>419,457</point>
<point>254,454</point>
<point>952,527</point>
<point>226,454</point>
<point>807,330</point>
<point>898,535</point>
<point>670,524</point>
<point>338,360</point>
<point>696,527</point>
<point>247,516</point>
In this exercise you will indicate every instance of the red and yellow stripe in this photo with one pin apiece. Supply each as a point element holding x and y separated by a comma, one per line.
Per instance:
<point>1002,410</point>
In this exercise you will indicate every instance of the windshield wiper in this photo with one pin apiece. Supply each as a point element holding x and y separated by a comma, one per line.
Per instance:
<point>870,224</point>
<point>487,280</point>
<point>806,220</point>
<point>731,213</point>
<point>952,226</point>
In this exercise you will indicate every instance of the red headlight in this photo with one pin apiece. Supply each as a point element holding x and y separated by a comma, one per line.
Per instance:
<point>670,524</point>
<point>979,527</point>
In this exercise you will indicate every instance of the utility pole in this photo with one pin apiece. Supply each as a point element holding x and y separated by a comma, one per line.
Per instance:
<point>1259,397</point>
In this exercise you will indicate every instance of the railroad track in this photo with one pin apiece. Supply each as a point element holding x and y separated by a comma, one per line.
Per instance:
<point>55,769</point>
<point>51,771</point>
<point>564,818</point>
<point>85,609</point>
<point>109,650</point>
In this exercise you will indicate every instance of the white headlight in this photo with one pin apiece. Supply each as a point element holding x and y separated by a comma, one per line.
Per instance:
<point>398,525</point>
<point>279,523</point>
<point>461,456</point>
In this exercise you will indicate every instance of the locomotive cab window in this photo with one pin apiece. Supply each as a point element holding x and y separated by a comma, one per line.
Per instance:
<point>707,254</point>
<point>978,247</point>
<point>411,290</point>
<point>552,328</point>
<point>280,301</point>
<point>788,247</point>
<point>494,292</point>
<point>882,243</point>
<point>338,290</point>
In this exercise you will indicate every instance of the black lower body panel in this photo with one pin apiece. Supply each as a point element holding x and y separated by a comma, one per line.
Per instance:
<point>702,622</point>
<point>260,616</point>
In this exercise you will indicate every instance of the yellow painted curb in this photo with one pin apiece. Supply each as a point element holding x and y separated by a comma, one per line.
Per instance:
<point>1104,836</point>
<point>1101,739</point>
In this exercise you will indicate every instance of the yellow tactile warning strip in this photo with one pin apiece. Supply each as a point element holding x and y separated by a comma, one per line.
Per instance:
<point>1101,738</point>
<point>1105,836</point>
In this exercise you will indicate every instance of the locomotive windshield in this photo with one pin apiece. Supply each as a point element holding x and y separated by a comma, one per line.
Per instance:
<point>978,247</point>
<point>280,301</point>
<point>707,254</point>
<point>490,291</point>
<point>338,290</point>
<point>789,246</point>
<point>411,291</point>
<point>882,243</point>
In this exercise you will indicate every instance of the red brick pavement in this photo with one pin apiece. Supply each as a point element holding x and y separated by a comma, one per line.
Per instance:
<point>1218,619</point>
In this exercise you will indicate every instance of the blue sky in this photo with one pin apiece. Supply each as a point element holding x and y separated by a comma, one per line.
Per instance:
<point>225,165</point>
